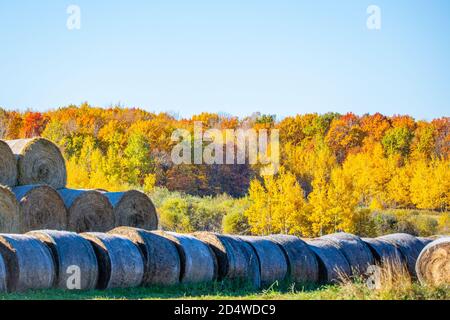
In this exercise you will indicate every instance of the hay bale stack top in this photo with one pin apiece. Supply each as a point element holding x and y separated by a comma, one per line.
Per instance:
<point>39,161</point>
<point>198,262</point>
<point>120,261</point>
<point>134,209</point>
<point>433,264</point>
<point>302,262</point>
<point>69,250</point>
<point>161,259</point>
<point>41,208</point>
<point>10,214</point>
<point>355,250</point>
<point>8,165</point>
<point>29,263</point>
<point>236,259</point>
<point>88,210</point>
<point>409,247</point>
<point>332,263</point>
<point>272,261</point>
<point>384,252</point>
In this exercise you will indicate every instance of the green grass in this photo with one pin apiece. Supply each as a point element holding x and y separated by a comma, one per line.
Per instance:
<point>349,291</point>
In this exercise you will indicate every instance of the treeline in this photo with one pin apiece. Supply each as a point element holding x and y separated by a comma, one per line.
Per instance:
<point>334,168</point>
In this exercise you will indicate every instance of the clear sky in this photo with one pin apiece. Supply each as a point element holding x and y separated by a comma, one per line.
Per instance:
<point>237,56</point>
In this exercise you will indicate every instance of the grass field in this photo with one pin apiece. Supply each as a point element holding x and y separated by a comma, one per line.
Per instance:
<point>347,291</point>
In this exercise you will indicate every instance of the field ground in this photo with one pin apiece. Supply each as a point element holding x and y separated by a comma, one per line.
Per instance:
<point>349,291</point>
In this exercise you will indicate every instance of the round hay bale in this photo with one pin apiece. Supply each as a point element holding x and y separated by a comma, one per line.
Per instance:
<point>133,209</point>
<point>433,264</point>
<point>302,262</point>
<point>2,275</point>
<point>41,208</point>
<point>198,262</point>
<point>120,262</point>
<point>409,246</point>
<point>273,265</point>
<point>29,263</point>
<point>162,262</point>
<point>355,250</point>
<point>384,252</point>
<point>425,240</point>
<point>39,161</point>
<point>8,165</point>
<point>70,251</point>
<point>10,214</point>
<point>333,265</point>
<point>88,210</point>
<point>236,259</point>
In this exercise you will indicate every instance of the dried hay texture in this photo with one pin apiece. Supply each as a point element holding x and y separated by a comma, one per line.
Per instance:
<point>10,214</point>
<point>355,250</point>
<point>409,246</point>
<point>8,165</point>
<point>198,262</point>
<point>236,259</point>
<point>162,261</point>
<point>332,263</point>
<point>29,263</point>
<point>39,161</point>
<point>69,250</point>
<point>302,262</point>
<point>133,209</point>
<point>120,262</point>
<point>273,265</point>
<point>88,210</point>
<point>433,264</point>
<point>41,208</point>
<point>384,252</point>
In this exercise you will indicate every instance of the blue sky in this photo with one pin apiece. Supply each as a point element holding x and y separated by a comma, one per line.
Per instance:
<point>279,57</point>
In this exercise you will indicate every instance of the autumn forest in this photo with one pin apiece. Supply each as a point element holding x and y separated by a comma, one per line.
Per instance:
<point>368,174</point>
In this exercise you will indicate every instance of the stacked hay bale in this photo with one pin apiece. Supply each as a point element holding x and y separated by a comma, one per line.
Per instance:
<point>433,263</point>
<point>302,262</point>
<point>39,161</point>
<point>409,246</point>
<point>2,275</point>
<point>333,266</point>
<point>134,209</point>
<point>272,261</point>
<point>30,163</point>
<point>198,262</point>
<point>41,207</point>
<point>75,261</point>
<point>8,165</point>
<point>10,213</point>
<point>162,265</point>
<point>88,210</point>
<point>120,262</point>
<point>29,263</point>
<point>356,251</point>
<point>384,252</point>
<point>236,259</point>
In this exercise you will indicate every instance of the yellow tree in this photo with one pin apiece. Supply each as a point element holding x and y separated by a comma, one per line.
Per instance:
<point>277,205</point>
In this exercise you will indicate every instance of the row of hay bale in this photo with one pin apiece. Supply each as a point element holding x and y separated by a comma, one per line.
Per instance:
<point>131,257</point>
<point>26,208</point>
<point>33,195</point>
